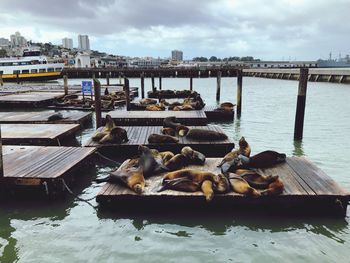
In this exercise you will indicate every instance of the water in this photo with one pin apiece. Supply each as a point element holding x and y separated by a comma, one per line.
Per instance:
<point>72,231</point>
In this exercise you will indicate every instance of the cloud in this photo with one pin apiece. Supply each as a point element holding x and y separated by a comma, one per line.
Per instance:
<point>304,29</point>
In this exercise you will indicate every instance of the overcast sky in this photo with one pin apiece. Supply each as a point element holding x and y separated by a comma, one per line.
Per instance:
<point>274,29</point>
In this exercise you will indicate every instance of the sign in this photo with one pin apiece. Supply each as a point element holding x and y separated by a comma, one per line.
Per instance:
<point>86,87</point>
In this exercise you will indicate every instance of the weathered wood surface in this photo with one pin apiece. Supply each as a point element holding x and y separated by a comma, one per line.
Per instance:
<point>34,99</point>
<point>138,135</point>
<point>33,165</point>
<point>306,187</point>
<point>69,117</point>
<point>37,134</point>
<point>155,118</point>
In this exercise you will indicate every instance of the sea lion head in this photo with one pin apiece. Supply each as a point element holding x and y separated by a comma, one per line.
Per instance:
<point>138,188</point>
<point>193,155</point>
<point>242,142</point>
<point>182,130</point>
<point>222,184</point>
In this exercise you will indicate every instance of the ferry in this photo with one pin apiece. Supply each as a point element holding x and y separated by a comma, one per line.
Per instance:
<point>32,66</point>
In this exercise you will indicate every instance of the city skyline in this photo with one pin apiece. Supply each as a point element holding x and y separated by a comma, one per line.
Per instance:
<point>283,29</point>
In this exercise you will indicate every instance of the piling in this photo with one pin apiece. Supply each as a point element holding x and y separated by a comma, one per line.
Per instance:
<point>97,90</point>
<point>153,87</point>
<point>107,78</point>
<point>120,78</point>
<point>300,111</point>
<point>160,82</point>
<point>1,80</point>
<point>143,85</point>
<point>17,78</point>
<point>127,93</point>
<point>239,91</point>
<point>218,85</point>
<point>65,84</point>
<point>191,83</point>
<point>1,159</point>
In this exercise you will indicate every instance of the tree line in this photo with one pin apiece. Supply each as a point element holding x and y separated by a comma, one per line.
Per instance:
<point>216,59</point>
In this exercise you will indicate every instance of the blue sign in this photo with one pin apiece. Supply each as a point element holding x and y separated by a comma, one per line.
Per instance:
<point>86,87</point>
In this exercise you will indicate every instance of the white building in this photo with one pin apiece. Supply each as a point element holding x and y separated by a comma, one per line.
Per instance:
<point>67,43</point>
<point>4,42</point>
<point>17,40</point>
<point>82,60</point>
<point>177,55</point>
<point>83,42</point>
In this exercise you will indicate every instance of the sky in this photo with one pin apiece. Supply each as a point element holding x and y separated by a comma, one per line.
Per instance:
<point>269,30</point>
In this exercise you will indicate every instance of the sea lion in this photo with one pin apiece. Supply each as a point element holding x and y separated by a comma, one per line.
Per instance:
<point>207,189</point>
<point>182,130</point>
<point>207,135</point>
<point>159,138</point>
<point>116,135</point>
<point>132,178</point>
<point>155,107</point>
<point>244,149</point>
<point>106,92</point>
<point>275,188</point>
<point>166,156</point>
<point>241,186</point>
<point>227,105</point>
<point>150,162</point>
<point>178,184</point>
<point>257,180</point>
<point>105,130</point>
<point>55,117</point>
<point>176,162</point>
<point>148,101</point>
<point>170,122</point>
<point>193,157</point>
<point>168,131</point>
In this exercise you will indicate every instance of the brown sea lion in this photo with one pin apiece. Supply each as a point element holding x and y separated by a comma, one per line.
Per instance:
<point>193,157</point>
<point>55,117</point>
<point>132,178</point>
<point>116,135</point>
<point>227,105</point>
<point>275,188</point>
<point>166,156</point>
<point>241,186</point>
<point>170,122</point>
<point>206,135</point>
<point>244,149</point>
<point>159,138</point>
<point>150,161</point>
<point>148,101</point>
<point>176,162</point>
<point>266,159</point>
<point>105,130</point>
<point>168,131</point>
<point>207,189</point>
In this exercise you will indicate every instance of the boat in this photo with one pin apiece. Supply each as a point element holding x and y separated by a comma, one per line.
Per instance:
<point>32,66</point>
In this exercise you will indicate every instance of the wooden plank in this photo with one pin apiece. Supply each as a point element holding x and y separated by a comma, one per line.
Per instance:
<point>37,134</point>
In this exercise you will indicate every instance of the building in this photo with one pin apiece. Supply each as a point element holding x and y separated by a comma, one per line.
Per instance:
<point>177,55</point>
<point>17,40</point>
<point>147,62</point>
<point>4,43</point>
<point>67,43</point>
<point>83,42</point>
<point>82,60</point>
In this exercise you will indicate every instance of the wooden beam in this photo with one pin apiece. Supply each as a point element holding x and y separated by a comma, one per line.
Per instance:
<point>153,86</point>
<point>143,85</point>
<point>239,91</point>
<point>300,111</point>
<point>1,159</point>
<point>160,82</point>
<point>127,93</point>
<point>65,84</point>
<point>107,78</point>
<point>97,90</point>
<point>191,83</point>
<point>218,85</point>
<point>1,80</point>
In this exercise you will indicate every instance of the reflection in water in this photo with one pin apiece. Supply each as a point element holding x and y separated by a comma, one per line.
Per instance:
<point>298,148</point>
<point>8,250</point>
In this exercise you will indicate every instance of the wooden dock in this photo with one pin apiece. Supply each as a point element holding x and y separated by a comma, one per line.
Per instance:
<point>308,190</point>
<point>155,118</point>
<point>69,117</point>
<point>138,135</point>
<point>217,116</point>
<point>29,99</point>
<point>37,134</point>
<point>41,168</point>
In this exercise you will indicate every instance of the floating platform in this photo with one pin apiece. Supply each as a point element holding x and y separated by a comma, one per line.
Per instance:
<point>156,118</point>
<point>217,116</point>
<point>37,134</point>
<point>138,135</point>
<point>42,168</point>
<point>308,190</point>
<point>29,99</point>
<point>161,95</point>
<point>69,117</point>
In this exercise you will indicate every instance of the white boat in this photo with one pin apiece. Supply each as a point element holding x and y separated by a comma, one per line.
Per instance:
<point>32,66</point>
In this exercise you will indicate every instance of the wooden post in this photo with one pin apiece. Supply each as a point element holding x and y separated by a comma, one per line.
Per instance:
<point>218,85</point>
<point>239,91</point>
<point>65,84</point>
<point>153,87</point>
<point>1,80</point>
<point>120,78</point>
<point>107,78</point>
<point>1,157</point>
<point>143,85</point>
<point>97,91</point>
<point>191,83</point>
<point>17,78</point>
<point>300,111</point>
<point>127,93</point>
<point>160,82</point>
